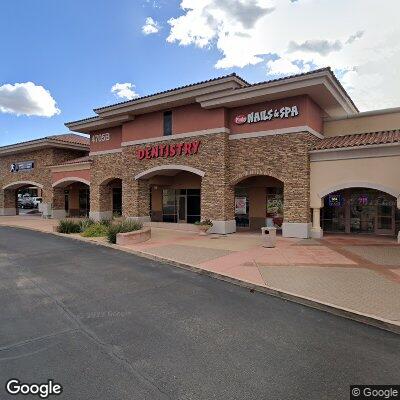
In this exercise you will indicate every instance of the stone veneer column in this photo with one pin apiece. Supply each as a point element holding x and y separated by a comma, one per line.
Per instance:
<point>45,207</point>
<point>100,202</point>
<point>58,203</point>
<point>296,209</point>
<point>217,195</point>
<point>316,230</point>
<point>8,202</point>
<point>136,199</point>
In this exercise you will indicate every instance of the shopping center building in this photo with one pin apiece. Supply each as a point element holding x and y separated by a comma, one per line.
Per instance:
<point>294,153</point>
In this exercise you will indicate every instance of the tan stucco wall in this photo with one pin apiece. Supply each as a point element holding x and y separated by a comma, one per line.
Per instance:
<point>362,124</point>
<point>380,173</point>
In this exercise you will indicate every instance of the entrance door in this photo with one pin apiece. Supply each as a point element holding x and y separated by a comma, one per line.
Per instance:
<point>66,202</point>
<point>182,216</point>
<point>385,217</point>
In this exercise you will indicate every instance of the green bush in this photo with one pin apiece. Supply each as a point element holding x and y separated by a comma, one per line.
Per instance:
<point>106,222</point>
<point>122,227</point>
<point>95,230</point>
<point>68,226</point>
<point>85,223</point>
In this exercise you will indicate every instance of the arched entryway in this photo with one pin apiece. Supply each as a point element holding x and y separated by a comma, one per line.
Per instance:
<point>174,193</point>
<point>259,202</point>
<point>22,197</point>
<point>360,210</point>
<point>71,198</point>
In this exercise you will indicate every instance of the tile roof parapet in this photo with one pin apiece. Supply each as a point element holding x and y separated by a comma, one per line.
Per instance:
<point>359,139</point>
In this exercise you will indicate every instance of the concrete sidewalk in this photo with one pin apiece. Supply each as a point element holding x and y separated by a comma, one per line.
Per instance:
<point>359,274</point>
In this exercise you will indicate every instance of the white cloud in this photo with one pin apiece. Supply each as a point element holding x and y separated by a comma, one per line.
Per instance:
<point>124,90</point>
<point>150,26</point>
<point>358,40</point>
<point>27,99</point>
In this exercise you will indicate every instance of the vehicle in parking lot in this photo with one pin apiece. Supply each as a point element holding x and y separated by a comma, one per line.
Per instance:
<point>25,202</point>
<point>36,201</point>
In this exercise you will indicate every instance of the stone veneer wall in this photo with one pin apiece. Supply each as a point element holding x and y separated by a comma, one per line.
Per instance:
<point>104,168</point>
<point>40,174</point>
<point>284,157</point>
<point>211,158</point>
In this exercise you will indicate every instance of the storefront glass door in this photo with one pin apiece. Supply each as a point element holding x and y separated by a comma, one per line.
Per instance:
<point>385,217</point>
<point>181,205</point>
<point>182,209</point>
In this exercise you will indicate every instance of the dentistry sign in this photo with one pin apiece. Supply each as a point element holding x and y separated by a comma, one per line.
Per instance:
<point>168,150</point>
<point>267,115</point>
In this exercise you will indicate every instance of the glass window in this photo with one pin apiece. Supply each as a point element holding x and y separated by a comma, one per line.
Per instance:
<point>242,208</point>
<point>167,123</point>
<point>117,201</point>
<point>84,202</point>
<point>169,205</point>
<point>334,213</point>
<point>275,205</point>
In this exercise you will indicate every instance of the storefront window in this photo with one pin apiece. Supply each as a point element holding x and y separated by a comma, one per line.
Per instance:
<point>359,210</point>
<point>84,202</point>
<point>334,213</point>
<point>117,201</point>
<point>362,211</point>
<point>242,208</point>
<point>181,205</point>
<point>169,205</point>
<point>274,203</point>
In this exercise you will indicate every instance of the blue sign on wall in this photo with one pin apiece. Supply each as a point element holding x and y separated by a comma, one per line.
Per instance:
<point>22,166</point>
<point>335,200</point>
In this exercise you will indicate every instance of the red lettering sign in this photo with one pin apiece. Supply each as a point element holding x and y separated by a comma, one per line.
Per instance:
<point>168,150</point>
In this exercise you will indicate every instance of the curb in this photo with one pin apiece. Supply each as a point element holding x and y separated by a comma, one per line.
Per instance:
<point>367,319</point>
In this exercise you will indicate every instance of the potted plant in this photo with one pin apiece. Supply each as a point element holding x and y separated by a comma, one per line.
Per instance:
<point>204,226</point>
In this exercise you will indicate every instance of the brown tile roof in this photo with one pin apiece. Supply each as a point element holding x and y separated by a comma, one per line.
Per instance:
<point>172,90</point>
<point>314,71</point>
<point>360,139</point>
<point>70,138</point>
<point>246,84</point>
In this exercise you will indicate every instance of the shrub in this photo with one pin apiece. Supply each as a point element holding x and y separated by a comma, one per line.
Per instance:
<point>95,230</point>
<point>68,226</point>
<point>85,223</point>
<point>205,222</point>
<point>106,222</point>
<point>122,227</point>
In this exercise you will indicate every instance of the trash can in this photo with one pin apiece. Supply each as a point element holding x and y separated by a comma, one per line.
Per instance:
<point>269,235</point>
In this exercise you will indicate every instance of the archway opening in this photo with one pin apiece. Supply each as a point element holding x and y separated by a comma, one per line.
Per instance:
<point>360,211</point>
<point>259,202</point>
<point>23,198</point>
<point>71,198</point>
<point>175,196</point>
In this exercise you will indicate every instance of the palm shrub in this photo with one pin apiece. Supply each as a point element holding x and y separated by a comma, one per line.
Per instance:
<point>122,227</point>
<point>68,226</point>
<point>97,229</point>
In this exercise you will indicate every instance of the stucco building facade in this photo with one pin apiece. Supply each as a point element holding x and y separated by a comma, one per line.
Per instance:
<point>294,153</point>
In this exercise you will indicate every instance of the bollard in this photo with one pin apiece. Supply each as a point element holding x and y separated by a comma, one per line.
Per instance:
<point>269,235</point>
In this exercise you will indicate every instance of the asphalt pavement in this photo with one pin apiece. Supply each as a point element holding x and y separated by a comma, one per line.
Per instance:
<point>107,325</point>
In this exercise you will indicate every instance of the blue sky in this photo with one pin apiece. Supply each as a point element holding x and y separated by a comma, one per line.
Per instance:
<point>77,50</point>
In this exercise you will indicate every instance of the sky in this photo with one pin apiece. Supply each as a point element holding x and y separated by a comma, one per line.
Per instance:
<point>59,59</point>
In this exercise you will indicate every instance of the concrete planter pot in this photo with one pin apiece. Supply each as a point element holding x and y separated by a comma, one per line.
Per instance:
<point>134,237</point>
